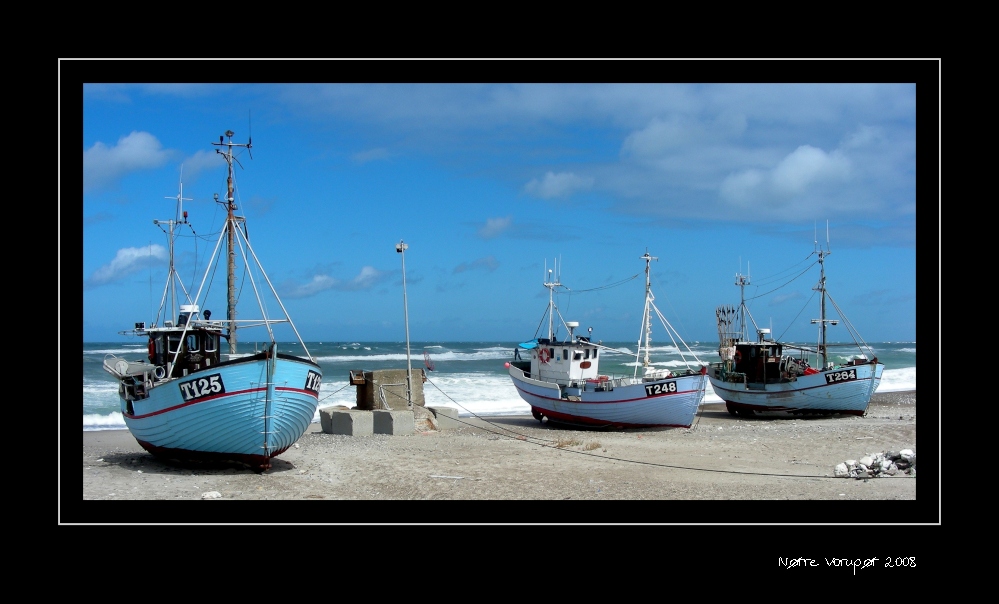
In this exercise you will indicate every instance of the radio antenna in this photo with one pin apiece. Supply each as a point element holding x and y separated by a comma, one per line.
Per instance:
<point>249,129</point>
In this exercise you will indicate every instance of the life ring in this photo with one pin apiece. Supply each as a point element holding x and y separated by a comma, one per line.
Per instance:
<point>737,357</point>
<point>152,349</point>
<point>159,372</point>
<point>544,355</point>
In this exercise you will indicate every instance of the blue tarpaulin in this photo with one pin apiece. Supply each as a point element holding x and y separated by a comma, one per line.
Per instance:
<point>529,345</point>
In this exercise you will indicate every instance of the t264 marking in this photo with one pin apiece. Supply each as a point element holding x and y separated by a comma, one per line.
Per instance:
<point>841,376</point>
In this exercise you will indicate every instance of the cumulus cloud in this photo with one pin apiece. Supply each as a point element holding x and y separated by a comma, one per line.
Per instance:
<point>807,165</point>
<point>864,137</point>
<point>103,165</point>
<point>558,185</point>
<point>660,137</point>
<point>795,175</point>
<point>200,162</point>
<point>488,264</point>
<point>319,283</point>
<point>127,261</point>
<point>366,279</point>
<point>495,227</point>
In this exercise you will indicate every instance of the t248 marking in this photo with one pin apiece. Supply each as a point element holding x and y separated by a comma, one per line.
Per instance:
<point>665,388</point>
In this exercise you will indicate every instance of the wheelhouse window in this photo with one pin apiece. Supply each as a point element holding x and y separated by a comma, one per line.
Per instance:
<point>192,343</point>
<point>173,344</point>
<point>211,342</point>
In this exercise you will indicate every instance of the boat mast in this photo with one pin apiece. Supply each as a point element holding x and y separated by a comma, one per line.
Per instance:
<point>742,281</point>
<point>551,285</point>
<point>821,288</point>
<point>230,203</point>
<point>647,316</point>
<point>179,218</point>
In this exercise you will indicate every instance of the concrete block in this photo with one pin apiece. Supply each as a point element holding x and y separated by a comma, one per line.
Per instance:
<point>372,386</point>
<point>447,417</point>
<point>393,422</point>
<point>349,422</point>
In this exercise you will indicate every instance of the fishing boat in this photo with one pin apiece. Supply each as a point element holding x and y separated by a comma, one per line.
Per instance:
<point>766,375</point>
<point>189,401</point>
<point>560,377</point>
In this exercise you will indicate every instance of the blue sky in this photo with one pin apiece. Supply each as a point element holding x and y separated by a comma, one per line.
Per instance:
<point>489,183</point>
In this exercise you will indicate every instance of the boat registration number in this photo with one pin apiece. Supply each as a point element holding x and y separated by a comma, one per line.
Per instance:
<point>841,376</point>
<point>313,381</point>
<point>210,385</point>
<point>664,388</point>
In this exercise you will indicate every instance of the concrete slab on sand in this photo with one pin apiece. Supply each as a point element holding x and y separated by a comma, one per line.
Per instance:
<point>349,422</point>
<point>393,422</point>
<point>447,417</point>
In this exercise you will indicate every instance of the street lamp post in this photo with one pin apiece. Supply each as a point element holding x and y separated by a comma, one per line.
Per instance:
<point>401,249</point>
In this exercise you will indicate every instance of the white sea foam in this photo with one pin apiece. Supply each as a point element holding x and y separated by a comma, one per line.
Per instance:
<point>94,421</point>
<point>480,389</point>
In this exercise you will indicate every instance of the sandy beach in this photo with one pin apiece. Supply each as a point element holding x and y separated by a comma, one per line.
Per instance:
<point>721,458</point>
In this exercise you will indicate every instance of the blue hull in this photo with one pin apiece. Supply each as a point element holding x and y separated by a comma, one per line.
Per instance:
<point>228,412</point>
<point>843,390</point>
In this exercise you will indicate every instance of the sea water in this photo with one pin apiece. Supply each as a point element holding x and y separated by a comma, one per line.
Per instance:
<point>469,376</point>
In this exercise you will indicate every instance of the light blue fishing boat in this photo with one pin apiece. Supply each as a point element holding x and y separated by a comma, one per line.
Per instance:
<point>765,375</point>
<point>189,401</point>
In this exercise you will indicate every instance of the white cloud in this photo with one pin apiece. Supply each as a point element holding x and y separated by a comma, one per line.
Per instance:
<point>495,227</point>
<point>558,185</point>
<point>199,162</point>
<point>802,172</point>
<point>319,283</point>
<point>127,261</point>
<point>865,136</point>
<point>658,138</point>
<point>103,165</point>
<point>366,279</point>
<point>740,188</point>
<point>808,165</point>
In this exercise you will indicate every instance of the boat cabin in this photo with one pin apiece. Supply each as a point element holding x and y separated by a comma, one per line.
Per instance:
<point>176,352</point>
<point>173,352</point>
<point>761,362</point>
<point>573,359</point>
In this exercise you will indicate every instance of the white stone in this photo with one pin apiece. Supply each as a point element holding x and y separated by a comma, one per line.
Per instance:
<point>211,495</point>
<point>841,471</point>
